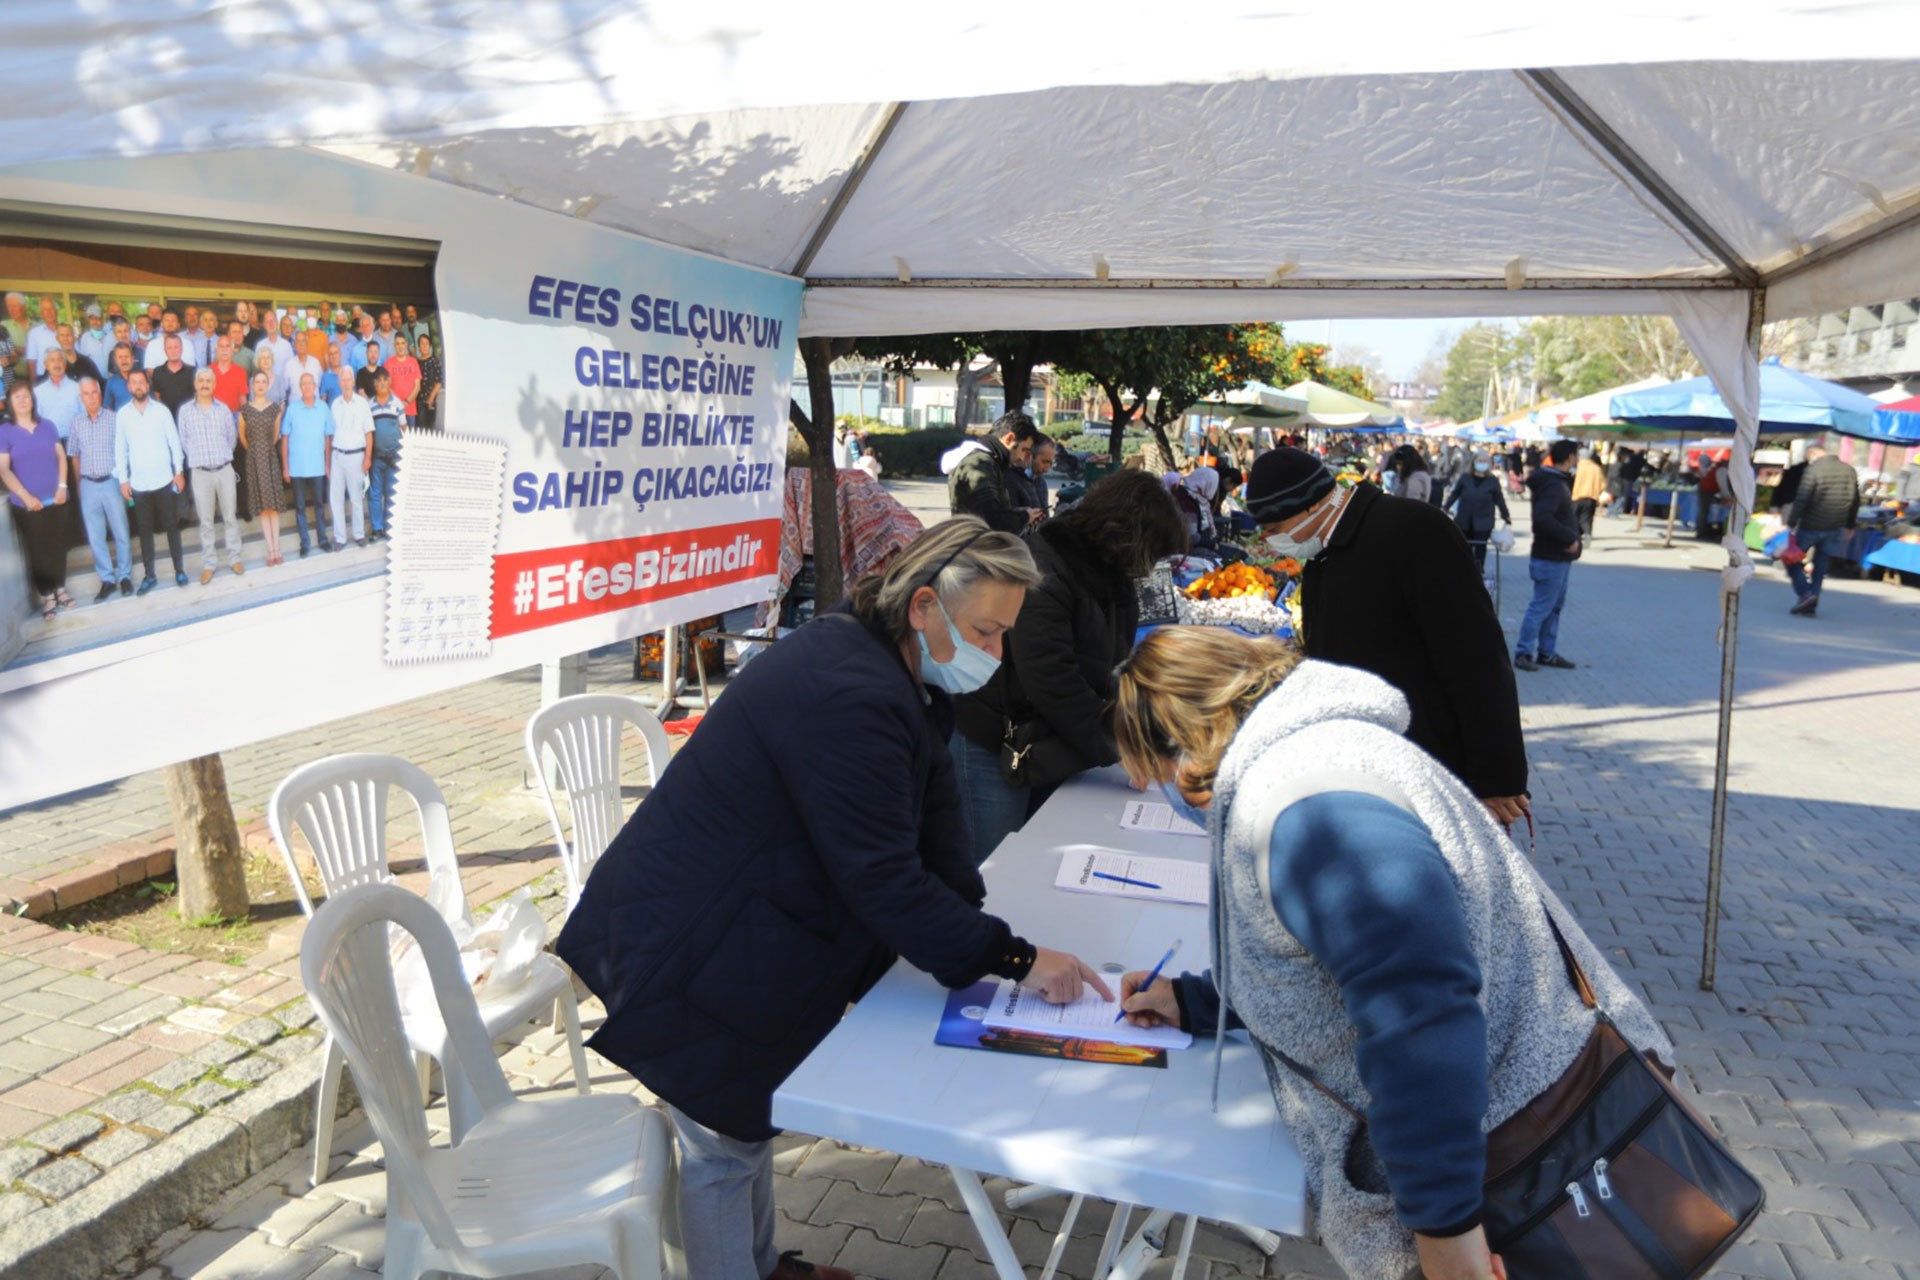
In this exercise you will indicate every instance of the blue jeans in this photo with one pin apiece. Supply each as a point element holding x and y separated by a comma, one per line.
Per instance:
<point>726,1202</point>
<point>380,488</point>
<point>1819,545</point>
<point>994,807</point>
<point>104,512</point>
<point>1540,629</point>
<point>310,491</point>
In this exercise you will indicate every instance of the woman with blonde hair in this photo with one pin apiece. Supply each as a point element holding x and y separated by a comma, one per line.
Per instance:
<point>1373,929</point>
<point>804,838</point>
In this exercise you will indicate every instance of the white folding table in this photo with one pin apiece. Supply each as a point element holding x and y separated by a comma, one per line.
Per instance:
<point>1133,1135</point>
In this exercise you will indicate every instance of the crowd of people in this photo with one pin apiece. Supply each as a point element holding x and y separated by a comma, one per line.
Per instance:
<point>145,417</point>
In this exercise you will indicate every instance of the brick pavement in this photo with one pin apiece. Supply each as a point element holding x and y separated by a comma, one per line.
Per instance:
<point>1805,1055</point>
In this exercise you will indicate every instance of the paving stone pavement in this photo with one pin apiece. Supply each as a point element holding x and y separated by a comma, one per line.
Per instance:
<point>1806,1055</point>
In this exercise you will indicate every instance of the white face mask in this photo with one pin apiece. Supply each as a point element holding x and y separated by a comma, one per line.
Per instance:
<point>1481,468</point>
<point>1285,543</point>
<point>968,669</point>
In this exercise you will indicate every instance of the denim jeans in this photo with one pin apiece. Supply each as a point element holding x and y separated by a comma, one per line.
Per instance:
<point>726,1203</point>
<point>1540,629</point>
<point>994,807</point>
<point>310,492</point>
<point>1819,545</point>
<point>104,513</point>
<point>380,488</point>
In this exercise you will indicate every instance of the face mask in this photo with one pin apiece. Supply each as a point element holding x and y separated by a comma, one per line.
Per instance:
<point>1198,817</point>
<point>1481,468</point>
<point>1284,544</point>
<point>968,669</point>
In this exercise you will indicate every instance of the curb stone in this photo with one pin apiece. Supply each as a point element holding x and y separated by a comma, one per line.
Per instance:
<point>131,1205</point>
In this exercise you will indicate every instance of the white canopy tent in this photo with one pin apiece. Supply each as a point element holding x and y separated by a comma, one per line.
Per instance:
<point>1068,165</point>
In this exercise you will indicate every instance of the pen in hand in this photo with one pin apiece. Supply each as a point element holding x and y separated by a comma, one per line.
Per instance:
<point>1154,976</point>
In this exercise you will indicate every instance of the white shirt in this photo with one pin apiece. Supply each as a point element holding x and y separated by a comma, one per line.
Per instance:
<point>40,340</point>
<point>869,465</point>
<point>281,348</point>
<point>352,423</point>
<point>147,452</point>
<point>156,353</point>
<point>288,376</point>
<point>96,345</point>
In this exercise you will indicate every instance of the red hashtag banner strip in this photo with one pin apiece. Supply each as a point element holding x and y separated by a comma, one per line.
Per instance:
<point>534,589</point>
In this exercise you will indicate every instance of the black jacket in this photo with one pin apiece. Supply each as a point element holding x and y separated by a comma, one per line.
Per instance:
<point>977,486</point>
<point>1474,500</point>
<point>1073,630</point>
<point>1828,498</point>
<point>809,831</point>
<point>1555,528</point>
<point>1397,593</point>
<point>1024,490</point>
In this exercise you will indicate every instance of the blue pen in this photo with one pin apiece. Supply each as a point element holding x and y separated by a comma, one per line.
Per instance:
<point>1139,884</point>
<point>1154,976</point>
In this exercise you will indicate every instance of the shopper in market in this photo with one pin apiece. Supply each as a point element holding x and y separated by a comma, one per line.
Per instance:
<point>1390,587</point>
<point>976,471</point>
<point>1046,705</point>
<point>1475,499</point>
<point>1825,507</point>
<point>808,834</point>
<point>1556,545</point>
<point>33,470</point>
<point>1413,477</point>
<point>1373,920</point>
<point>1589,490</point>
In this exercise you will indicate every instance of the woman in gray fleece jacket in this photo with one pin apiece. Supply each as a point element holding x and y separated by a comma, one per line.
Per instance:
<point>1372,923</point>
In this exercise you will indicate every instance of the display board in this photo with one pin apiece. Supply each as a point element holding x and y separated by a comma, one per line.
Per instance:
<point>608,461</point>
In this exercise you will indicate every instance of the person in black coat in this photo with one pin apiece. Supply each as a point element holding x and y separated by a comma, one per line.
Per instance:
<point>1389,587</point>
<point>1475,498</point>
<point>804,837</point>
<point>1556,545</point>
<point>1049,696</point>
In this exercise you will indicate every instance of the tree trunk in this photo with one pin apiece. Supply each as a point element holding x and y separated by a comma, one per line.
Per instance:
<point>1162,456</point>
<point>1117,433</point>
<point>966,393</point>
<point>1016,382</point>
<point>208,857</point>
<point>817,428</point>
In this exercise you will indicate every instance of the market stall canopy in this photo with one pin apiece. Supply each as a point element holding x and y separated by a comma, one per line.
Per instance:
<point>1327,407</point>
<point>1898,422</point>
<point>1494,157</point>
<point>1255,402</point>
<point>1791,403</point>
<point>1592,410</point>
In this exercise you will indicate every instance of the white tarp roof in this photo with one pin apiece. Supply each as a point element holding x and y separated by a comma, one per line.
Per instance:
<point>1235,161</point>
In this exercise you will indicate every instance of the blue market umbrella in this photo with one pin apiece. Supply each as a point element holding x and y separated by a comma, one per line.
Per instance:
<point>1791,403</point>
<point>1897,423</point>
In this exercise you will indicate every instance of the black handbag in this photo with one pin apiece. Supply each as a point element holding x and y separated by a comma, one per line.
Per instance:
<point>1609,1174</point>
<point>1032,755</point>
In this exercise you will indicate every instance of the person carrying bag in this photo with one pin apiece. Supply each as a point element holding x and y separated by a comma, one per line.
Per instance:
<point>1473,1090</point>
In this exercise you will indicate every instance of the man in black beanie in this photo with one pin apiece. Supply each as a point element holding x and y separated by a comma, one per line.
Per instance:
<point>1391,587</point>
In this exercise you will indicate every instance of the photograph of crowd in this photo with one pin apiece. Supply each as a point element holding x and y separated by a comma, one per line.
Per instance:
<point>154,446</point>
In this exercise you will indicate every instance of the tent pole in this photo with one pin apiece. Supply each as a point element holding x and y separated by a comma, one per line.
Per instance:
<point>1729,651</point>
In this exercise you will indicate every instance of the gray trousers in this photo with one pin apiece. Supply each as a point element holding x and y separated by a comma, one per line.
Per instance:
<point>726,1203</point>
<point>213,489</point>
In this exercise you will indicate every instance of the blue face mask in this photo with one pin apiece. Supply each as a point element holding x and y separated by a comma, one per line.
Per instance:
<point>1198,817</point>
<point>968,669</point>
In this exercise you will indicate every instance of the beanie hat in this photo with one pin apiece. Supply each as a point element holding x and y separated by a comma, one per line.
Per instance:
<point>1284,482</point>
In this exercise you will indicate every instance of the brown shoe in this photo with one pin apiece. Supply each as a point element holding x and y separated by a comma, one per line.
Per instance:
<point>238,568</point>
<point>794,1267</point>
<point>206,576</point>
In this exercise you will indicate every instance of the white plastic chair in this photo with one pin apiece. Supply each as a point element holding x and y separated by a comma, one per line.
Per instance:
<point>340,805</point>
<point>536,1183</point>
<point>581,735</point>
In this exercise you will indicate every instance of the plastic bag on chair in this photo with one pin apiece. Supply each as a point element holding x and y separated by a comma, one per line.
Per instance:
<point>498,953</point>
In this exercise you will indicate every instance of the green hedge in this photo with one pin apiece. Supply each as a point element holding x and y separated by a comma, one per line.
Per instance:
<point>1095,442</point>
<point>912,453</point>
<point>1066,430</point>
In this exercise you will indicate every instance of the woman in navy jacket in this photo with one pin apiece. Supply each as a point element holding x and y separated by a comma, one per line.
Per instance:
<point>807,835</point>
